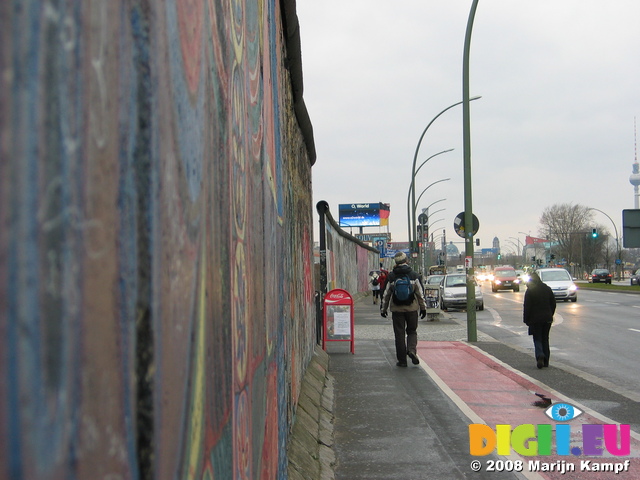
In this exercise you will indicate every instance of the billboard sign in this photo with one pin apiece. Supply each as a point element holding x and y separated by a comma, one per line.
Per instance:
<point>359,214</point>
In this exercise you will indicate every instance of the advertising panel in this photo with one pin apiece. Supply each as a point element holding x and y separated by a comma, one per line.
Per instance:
<point>359,214</point>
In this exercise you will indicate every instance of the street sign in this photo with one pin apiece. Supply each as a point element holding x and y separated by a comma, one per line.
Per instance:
<point>458,225</point>
<point>631,228</point>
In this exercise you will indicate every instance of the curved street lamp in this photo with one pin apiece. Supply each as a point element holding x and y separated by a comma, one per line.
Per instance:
<point>414,207</point>
<point>615,229</point>
<point>435,221</point>
<point>433,203</point>
<point>424,267</point>
<point>439,210</point>
<point>412,226</point>
<point>434,155</point>
<point>428,225</point>
<point>519,249</point>
<point>412,192</point>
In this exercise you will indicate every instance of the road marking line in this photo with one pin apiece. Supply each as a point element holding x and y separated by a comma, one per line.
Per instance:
<point>507,298</point>
<point>634,330</point>
<point>497,319</point>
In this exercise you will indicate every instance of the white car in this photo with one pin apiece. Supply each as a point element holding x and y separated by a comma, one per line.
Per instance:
<point>523,276</point>
<point>454,292</point>
<point>560,282</point>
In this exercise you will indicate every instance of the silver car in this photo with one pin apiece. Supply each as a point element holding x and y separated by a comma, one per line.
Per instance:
<point>560,282</point>
<point>454,288</point>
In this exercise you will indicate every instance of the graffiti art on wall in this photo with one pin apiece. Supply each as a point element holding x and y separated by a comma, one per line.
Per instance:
<point>156,290</point>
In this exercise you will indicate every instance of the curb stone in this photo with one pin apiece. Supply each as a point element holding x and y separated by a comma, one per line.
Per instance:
<point>310,449</point>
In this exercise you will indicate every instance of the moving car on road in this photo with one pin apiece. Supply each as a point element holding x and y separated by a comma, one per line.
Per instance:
<point>454,287</point>
<point>560,282</point>
<point>600,275</point>
<point>505,278</point>
<point>635,278</point>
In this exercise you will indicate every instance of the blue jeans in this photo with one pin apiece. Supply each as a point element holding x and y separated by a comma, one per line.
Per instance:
<point>540,334</point>
<point>405,322</point>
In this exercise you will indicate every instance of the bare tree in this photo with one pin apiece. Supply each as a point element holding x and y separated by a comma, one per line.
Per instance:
<point>561,222</point>
<point>569,227</point>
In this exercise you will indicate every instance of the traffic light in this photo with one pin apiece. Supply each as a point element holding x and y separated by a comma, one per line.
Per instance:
<point>594,233</point>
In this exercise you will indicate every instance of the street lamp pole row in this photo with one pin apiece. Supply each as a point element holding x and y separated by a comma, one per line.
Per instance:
<point>411,227</point>
<point>415,205</point>
<point>411,204</point>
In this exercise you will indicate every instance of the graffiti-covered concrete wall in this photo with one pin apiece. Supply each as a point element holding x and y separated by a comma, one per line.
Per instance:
<point>156,291</point>
<point>345,261</point>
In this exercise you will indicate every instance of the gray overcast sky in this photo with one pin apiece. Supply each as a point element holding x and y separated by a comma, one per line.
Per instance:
<point>559,81</point>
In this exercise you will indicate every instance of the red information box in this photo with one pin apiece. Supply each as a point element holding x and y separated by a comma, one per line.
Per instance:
<point>337,318</point>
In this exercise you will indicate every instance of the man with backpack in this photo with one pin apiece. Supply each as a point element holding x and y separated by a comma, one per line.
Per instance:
<point>404,297</point>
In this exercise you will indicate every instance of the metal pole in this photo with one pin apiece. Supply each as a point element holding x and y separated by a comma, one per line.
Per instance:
<point>472,333</point>
<point>322,208</point>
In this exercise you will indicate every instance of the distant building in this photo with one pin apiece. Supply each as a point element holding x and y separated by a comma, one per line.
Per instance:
<point>452,250</point>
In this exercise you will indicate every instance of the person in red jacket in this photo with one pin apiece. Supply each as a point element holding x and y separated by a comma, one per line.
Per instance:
<point>382,278</point>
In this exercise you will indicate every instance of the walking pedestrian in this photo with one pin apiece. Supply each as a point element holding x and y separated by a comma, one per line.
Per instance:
<point>538,310</point>
<point>404,297</point>
<point>374,281</point>
<point>382,279</point>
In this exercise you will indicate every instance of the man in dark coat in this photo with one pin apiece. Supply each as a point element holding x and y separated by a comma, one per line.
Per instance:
<point>404,314</point>
<point>538,311</point>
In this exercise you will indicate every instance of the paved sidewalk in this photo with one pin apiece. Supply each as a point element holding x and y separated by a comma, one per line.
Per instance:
<point>413,423</point>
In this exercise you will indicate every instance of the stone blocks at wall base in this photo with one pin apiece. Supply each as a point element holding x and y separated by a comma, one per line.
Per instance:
<point>310,450</point>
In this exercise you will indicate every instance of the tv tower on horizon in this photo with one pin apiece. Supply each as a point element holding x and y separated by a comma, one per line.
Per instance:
<point>634,179</point>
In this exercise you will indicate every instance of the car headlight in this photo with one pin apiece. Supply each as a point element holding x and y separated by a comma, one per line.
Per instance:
<point>498,282</point>
<point>573,288</point>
